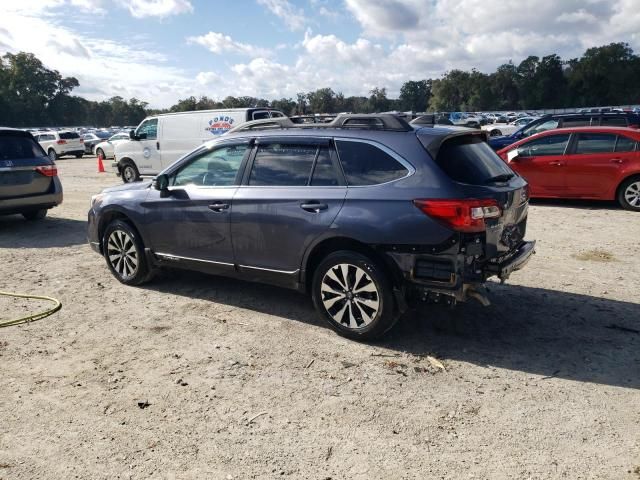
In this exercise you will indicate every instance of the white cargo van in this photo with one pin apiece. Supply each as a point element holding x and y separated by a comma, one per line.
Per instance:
<point>160,140</point>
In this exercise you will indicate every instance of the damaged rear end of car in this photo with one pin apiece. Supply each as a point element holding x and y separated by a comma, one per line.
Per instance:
<point>486,215</point>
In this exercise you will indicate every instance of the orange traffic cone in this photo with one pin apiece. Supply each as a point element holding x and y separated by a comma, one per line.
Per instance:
<point>100,164</point>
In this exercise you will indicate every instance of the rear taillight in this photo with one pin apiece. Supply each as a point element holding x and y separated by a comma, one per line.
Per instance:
<point>48,170</point>
<point>61,142</point>
<point>466,215</point>
<point>82,140</point>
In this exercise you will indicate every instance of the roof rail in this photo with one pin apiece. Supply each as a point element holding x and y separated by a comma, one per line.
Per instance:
<point>368,121</point>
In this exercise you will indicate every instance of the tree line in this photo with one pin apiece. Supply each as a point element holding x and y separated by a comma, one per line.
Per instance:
<point>32,95</point>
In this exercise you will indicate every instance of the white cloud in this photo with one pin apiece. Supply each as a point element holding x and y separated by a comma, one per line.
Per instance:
<point>293,17</point>
<point>157,8</point>
<point>219,43</point>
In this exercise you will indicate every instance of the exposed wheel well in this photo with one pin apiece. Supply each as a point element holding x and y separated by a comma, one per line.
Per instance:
<point>331,245</point>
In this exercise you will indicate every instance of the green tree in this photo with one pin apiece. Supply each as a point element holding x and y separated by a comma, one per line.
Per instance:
<point>415,95</point>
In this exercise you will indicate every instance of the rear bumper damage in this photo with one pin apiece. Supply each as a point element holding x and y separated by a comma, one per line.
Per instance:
<point>456,275</point>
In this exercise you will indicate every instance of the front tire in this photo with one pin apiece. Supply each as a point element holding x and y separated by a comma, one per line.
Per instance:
<point>79,155</point>
<point>130,173</point>
<point>353,294</point>
<point>629,194</point>
<point>35,214</point>
<point>124,252</point>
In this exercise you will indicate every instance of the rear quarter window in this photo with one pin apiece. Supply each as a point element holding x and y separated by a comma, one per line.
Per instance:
<point>468,159</point>
<point>365,164</point>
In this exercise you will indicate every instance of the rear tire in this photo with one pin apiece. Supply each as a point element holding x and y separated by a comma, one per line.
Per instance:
<point>129,173</point>
<point>353,294</point>
<point>35,214</point>
<point>100,152</point>
<point>124,252</point>
<point>495,133</point>
<point>53,156</point>
<point>79,155</point>
<point>629,194</point>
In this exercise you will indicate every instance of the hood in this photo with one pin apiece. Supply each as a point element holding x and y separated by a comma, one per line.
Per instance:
<point>128,186</point>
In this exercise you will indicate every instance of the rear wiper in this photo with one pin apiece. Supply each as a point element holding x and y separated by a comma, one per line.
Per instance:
<point>505,177</point>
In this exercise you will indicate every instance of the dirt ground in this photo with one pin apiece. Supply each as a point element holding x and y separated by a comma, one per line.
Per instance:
<point>195,376</point>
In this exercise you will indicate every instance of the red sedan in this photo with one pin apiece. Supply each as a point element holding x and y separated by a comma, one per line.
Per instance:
<point>601,163</point>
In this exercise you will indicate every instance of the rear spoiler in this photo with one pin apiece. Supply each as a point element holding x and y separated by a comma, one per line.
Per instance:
<point>432,143</point>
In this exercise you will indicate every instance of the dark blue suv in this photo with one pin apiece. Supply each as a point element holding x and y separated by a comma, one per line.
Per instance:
<point>567,120</point>
<point>367,213</point>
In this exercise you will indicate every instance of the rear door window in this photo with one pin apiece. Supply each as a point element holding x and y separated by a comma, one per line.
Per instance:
<point>324,172</point>
<point>578,122</point>
<point>468,159</point>
<point>595,143</point>
<point>549,145</point>
<point>282,165</point>
<point>625,144</point>
<point>366,164</point>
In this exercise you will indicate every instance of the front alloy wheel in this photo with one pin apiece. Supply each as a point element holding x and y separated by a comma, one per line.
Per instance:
<point>354,294</point>
<point>124,253</point>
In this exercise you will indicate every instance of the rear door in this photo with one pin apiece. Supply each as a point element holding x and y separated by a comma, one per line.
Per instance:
<point>541,162</point>
<point>20,156</point>
<point>291,194</point>
<point>594,165</point>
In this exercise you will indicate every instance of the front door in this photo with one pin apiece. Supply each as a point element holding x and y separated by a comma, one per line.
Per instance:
<point>289,197</point>
<point>542,163</point>
<point>191,221</point>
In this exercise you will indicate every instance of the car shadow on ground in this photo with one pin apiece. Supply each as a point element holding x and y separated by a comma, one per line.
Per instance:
<point>50,232</point>
<point>534,330</point>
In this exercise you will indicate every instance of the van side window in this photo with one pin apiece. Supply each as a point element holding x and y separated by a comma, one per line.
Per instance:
<point>148,130</point>
<point>260,115</point>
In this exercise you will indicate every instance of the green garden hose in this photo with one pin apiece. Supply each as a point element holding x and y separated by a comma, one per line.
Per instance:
<point>36,316</point>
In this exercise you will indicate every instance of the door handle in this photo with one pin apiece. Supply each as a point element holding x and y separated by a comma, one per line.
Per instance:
<point>556,164</point>
<point>218,207</point>
<point>616,160</point>
<point>314,207</point>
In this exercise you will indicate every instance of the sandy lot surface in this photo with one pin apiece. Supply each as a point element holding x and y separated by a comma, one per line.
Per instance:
<point>243,380</point>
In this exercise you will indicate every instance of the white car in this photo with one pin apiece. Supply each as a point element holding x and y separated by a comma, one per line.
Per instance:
<point>498,129</point>
<point>106,148</point>
<point>59,143</point>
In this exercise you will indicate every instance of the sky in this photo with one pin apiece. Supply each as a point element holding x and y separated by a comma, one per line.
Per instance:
<point>160,51</point>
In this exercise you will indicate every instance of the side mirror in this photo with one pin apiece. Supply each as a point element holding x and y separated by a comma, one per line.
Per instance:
<point>161,182</point>
<point>132,134</point>
<point>513,155</point>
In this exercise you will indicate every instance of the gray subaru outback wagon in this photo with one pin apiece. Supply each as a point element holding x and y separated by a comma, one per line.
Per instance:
<point>368,214</point>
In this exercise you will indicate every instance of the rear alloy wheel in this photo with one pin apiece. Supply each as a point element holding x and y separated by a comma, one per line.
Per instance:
<point>130,173</point>
<point>35,214</point>
<point>629,194</point>
<point>354,295</point>
<point>53,156</point>
<point>124,253</point>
